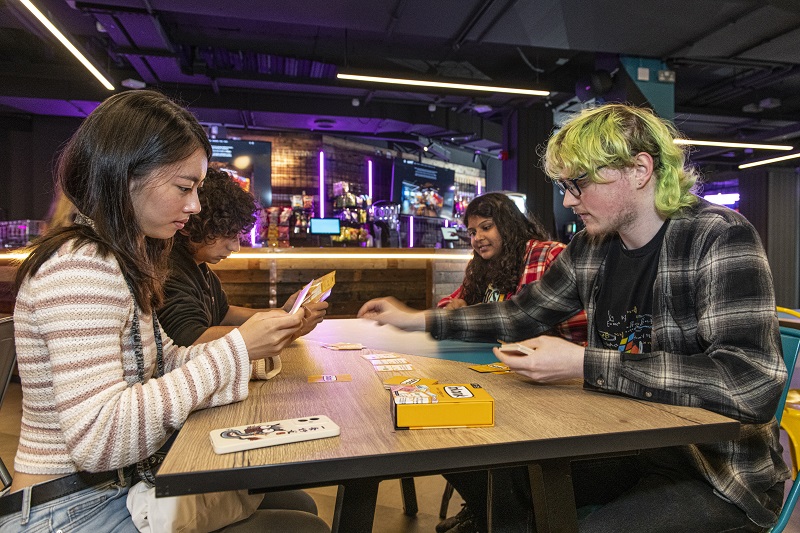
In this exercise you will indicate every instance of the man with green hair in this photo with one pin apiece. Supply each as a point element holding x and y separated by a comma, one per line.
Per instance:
<point>681,310</point>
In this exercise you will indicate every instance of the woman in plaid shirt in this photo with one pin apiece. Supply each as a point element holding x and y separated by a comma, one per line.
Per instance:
<point>511,251</point>
<point>681,310</point>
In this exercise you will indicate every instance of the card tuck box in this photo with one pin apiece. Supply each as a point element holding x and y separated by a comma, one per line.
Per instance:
<point>441,405</point>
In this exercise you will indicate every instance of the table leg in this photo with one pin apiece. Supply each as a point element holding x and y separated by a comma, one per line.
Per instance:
<point>355,506</point>
<point>553,496</point>
<point>409,491</point>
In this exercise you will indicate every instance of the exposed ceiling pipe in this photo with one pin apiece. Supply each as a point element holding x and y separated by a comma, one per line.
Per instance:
<point>505,10</point>
<point>727,89</point>
<point>473,20</point>
<point>684,47</point>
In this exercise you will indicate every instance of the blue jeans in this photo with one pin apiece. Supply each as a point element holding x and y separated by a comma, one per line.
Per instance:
<point>99,509</point>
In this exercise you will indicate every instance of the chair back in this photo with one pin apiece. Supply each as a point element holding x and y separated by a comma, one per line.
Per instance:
<point>790,341</point>
<point>8,356</point>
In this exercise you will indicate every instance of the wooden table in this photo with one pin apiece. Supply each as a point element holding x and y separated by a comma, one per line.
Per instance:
<point>788,321</point>
<point>543,426</point>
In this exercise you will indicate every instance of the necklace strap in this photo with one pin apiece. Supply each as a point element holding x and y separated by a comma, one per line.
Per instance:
<point>146,467</point>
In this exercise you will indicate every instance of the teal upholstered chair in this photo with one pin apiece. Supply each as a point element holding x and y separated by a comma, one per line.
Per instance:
<point>790,421</point>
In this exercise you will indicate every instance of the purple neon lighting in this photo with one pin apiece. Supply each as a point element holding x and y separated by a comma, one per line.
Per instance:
<point>369,176</point>
<point>478,182</point>
<point>321,184</point>
<point>410,232</point>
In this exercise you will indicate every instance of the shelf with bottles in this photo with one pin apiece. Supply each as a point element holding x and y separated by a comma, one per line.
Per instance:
<point>344,199</point>
<point>302,206</point>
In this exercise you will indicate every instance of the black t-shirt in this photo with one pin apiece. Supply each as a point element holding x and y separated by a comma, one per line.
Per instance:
<point>624,310</point>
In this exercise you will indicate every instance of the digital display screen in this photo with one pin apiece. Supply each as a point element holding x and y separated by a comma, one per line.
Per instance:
<point>248,162</point>
<point>325,226</point>
<point>423,190</point>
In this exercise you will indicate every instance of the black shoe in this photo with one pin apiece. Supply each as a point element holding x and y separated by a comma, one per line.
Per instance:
<point>467,526</point>
<point>449,523</point>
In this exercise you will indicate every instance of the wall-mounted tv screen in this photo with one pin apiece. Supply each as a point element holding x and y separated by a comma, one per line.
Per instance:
<point>250,164</point>
<point>423,190</point>
<point>325,226</point>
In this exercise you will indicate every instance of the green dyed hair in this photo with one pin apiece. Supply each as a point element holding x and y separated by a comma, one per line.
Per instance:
<point>611,136</point>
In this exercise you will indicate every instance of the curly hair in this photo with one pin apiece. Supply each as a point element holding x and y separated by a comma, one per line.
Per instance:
<point>504,269</point>
<point>226,210</point>
<point>611,136</point>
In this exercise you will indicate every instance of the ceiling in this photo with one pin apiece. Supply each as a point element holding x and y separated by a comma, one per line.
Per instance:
<point>270,65</point>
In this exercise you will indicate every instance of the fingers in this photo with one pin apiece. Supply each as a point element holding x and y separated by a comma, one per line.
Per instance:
<point>277,320</point>
<point>316,310</point>
<point>456,304</point>
<point>290,302</point>
<point>372,308</point>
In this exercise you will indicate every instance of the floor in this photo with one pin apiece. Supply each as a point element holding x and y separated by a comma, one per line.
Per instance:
<point>389,517</point>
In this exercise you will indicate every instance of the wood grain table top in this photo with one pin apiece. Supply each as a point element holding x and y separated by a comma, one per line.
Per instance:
<point>532,422</point>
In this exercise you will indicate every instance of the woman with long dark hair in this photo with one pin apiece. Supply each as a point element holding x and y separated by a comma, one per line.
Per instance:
<point>511,250</point>
<point>103,387</point>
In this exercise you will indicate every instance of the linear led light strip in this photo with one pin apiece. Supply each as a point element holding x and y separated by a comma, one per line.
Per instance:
<point>442,85</point>
<point>732,144</point>
<point>301,255</point>
<point>60,36</point>
<point>768,161</point>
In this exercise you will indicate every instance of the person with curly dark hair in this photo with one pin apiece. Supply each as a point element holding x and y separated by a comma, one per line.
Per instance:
<point>511,251</point>
<point>195,308</point>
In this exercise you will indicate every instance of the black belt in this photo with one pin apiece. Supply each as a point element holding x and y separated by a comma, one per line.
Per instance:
<point>52,490</point>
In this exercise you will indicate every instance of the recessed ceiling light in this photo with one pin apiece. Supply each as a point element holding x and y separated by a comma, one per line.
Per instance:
<point>324,123</point>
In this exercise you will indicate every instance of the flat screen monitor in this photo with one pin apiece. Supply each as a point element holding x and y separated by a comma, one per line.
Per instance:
<point>423,190</point>
<point>248,162</point>
<point>325,226</point>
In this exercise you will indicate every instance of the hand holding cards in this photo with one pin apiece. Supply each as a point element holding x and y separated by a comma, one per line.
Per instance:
<point>516,349</point>
<point>317,290</point>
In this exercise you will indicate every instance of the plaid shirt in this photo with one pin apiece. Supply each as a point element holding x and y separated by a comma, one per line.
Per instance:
<point>539,255</point>
<point>716,342</point>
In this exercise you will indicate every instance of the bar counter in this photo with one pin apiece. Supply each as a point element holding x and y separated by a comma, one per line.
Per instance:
<point>266,277</point>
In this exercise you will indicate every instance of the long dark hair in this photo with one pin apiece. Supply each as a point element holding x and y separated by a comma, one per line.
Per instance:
<point>516,229</point>
<point>128,137</point>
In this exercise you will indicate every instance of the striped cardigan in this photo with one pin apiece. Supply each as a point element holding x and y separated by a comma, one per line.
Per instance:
<point>83,408</point>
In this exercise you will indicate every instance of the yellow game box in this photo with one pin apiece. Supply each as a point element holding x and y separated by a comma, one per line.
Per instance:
<point>441,405</point>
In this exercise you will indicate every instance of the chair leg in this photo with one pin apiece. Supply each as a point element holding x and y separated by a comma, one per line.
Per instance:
<point>448,493</point>
<point>409,496</point>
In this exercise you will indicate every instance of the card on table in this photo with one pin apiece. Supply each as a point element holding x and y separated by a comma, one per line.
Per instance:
<point>236,439</point>
<point>344,346</point>
<point>395,361</point>
<point>407,380</point>
<point>329,378</point>
<point>392,368</point>
<point>494,368</point>
<point>378,356</point>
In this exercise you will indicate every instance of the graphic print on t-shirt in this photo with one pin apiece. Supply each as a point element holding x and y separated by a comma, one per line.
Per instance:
<point>492,295</point>
<point>630,333</point>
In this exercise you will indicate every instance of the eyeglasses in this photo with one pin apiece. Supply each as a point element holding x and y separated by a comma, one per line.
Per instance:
<point>572,184</point>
